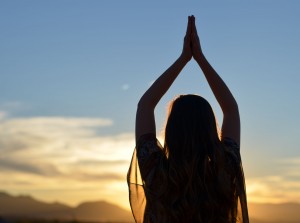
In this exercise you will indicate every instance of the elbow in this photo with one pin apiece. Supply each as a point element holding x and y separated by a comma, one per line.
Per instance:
<point>145,104</point>
<point>141,103</point>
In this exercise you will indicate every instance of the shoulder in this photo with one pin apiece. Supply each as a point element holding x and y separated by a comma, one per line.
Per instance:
<point>149,143</point>
<point>147,146</point>
<point>232,149</point>
<point>146,138</point>
<point>231,143</point>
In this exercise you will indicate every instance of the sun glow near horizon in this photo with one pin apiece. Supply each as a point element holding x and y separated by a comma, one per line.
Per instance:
<point>64,159</point>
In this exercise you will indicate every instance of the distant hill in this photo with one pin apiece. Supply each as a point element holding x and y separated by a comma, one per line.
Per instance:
<point>97,211</point>
<point>28,207</point>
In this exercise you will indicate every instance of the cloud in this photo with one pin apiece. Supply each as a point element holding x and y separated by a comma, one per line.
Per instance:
<point>19,166</point>
<point>51,156</point>
<point>101,162</point>
<point>56,153</point>
<point>283,186</point>
<point>3,114</point>
<point>100,177</point>
<point>274,189</point>
<point>44,132</point>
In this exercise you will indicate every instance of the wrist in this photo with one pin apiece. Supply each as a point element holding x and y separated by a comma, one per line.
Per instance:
<point>200,58</point>
<point>184,59</point>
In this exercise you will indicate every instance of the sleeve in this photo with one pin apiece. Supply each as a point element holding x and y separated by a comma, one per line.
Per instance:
<point>141,172</point>
<point>233,149</point>
<point>148,153</point>
<point>230,143</point>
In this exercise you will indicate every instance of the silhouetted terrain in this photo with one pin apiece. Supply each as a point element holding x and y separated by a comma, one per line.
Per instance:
<point>25,209</point>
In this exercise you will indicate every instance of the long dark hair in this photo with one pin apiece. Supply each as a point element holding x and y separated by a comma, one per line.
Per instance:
<point>194,183</point>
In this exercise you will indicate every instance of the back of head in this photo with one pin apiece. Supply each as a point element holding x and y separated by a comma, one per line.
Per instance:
<point>191,123</point>
<point>194,186</point>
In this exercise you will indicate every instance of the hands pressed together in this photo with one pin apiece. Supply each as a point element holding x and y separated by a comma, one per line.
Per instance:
<point>191,45</point>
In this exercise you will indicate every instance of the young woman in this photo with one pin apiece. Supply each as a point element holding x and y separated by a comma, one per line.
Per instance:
<point>197,175</point>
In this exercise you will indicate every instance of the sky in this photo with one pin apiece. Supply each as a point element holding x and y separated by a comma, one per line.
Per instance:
<point>72,72</point>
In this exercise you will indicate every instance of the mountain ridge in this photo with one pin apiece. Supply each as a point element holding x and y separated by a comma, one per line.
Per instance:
<point>26,206</point>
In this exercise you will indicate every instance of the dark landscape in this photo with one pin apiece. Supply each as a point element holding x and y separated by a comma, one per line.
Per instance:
<point>26,209</point>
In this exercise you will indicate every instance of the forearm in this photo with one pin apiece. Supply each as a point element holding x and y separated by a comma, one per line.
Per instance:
<point>219,88</point>
<point>153,95</point>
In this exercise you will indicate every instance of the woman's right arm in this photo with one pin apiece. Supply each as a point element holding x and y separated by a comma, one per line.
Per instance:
<point>231,118</point>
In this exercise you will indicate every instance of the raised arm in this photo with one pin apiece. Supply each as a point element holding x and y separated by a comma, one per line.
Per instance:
<point>145,121</point>
<point>231,118</point>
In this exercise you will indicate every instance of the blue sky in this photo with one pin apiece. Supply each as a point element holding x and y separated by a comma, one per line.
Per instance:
<point>92,60</point>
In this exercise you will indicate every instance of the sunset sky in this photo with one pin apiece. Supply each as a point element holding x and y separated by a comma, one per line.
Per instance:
<point>72,72</point>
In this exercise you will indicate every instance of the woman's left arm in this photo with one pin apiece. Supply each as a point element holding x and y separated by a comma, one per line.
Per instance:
<point>145,121</point>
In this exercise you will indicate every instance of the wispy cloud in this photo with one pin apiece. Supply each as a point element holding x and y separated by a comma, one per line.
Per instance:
<point>283,186</point>
<point>12,166</point>
<point>51,156</point>
<point>43,152</point>
<point>2,115</point>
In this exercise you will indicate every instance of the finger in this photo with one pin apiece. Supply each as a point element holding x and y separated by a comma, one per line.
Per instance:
<point>194,24</point>
<point>189,26</point>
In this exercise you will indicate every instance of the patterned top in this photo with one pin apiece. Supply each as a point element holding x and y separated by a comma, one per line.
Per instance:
<point>144,165</point>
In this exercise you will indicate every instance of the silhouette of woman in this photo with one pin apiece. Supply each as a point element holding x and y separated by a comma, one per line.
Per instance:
<point>197,176</point>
